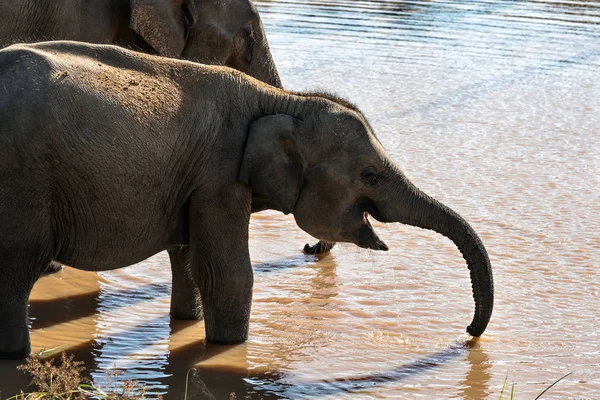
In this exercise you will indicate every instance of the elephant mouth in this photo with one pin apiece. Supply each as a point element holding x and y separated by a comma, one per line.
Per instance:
<point>367,238</point>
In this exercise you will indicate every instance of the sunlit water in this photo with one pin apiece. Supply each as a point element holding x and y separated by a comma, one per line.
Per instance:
<point>493,108</point>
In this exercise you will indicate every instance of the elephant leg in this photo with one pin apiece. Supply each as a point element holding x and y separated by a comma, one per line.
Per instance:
<point>186,302</point>
<point>52,268</point>
<point>14,333</point>
<point>221,263</point>
<point>321,247</point>
<point>16,281</point>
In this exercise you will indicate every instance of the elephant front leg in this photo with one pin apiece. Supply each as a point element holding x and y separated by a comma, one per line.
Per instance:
<point>186,302</point>
<point>16,281</point>
<point>221,265</point>
<point>14,334</point>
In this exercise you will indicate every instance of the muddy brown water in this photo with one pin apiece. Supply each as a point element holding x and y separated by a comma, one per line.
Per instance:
<point>492,107</point>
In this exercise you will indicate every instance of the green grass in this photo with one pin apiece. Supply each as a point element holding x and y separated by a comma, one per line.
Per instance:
<point>512,390</point>
<point>511,395</point>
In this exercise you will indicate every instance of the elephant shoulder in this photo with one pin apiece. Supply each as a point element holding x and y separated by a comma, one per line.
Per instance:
<point>25,58</point>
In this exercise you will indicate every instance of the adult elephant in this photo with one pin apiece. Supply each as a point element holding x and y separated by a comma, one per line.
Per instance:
<point>98,177</point>
<point>221,32</point>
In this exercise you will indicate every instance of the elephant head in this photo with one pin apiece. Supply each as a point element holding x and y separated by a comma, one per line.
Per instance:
<point>219,32</point>
<point>324,164</point>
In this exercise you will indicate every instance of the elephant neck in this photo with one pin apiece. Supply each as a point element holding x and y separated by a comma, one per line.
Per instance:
<point>279,101</point>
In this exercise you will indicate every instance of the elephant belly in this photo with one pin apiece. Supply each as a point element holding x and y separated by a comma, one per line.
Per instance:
<point>96,262</point>
<point>104,241</point>
<point>106,255</point>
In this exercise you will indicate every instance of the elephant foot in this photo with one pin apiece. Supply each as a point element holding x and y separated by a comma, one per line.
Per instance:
<point>320,247</point>
<point>227,329</point>
<point>52,268</point>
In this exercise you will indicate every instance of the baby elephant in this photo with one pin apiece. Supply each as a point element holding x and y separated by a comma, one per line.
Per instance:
<point>110,156</point>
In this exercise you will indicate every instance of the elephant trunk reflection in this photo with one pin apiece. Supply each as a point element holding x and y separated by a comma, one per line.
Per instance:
<point>413,207</point>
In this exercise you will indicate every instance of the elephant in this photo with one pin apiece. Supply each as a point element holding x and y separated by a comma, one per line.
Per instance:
<point>221,32</point>
<point>110,156</point>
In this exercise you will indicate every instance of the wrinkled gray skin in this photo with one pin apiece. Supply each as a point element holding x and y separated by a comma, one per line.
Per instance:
<point>110,156</point>
<point>219,32</point>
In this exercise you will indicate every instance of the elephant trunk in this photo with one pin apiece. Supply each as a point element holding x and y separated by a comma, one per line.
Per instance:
<point>263,67</point>
<point>267,72</point>
<point>413,207</point>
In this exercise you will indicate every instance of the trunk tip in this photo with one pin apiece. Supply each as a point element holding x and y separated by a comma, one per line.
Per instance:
<point>475,330</point>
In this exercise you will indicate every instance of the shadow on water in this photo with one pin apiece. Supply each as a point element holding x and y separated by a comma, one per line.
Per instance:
<point>184,370</point>
<point>48,312</point>
<point>213,383</point>
<point>286,263</point>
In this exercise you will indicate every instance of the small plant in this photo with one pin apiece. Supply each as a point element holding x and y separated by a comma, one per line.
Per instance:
<point>55,381</point>
<point>63,381</point>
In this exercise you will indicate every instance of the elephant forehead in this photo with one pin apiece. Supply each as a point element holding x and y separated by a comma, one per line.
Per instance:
<point>361,148</point>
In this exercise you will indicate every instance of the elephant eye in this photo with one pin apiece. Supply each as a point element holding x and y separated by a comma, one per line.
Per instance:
<point>248,45</point>
<point>369,176</point>
<point>247,32</point>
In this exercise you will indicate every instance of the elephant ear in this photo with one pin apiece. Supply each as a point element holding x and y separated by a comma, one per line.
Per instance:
<point>271,164</point>
<point>163,24</point>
